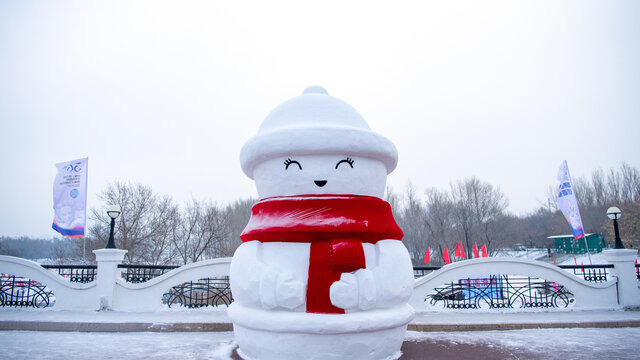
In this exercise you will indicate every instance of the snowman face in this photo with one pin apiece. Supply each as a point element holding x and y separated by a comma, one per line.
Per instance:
<point>320,174</point>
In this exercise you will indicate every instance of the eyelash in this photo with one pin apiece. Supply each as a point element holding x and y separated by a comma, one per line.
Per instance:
<point>289,162</point>
<point>347,160</point>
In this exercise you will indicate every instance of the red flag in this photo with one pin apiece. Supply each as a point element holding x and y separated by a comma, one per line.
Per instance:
<point>427,255</point>
<point>575,260</point>
<point>464,256</point>
<point>445,256</point>
<point>475,251</point>
<point>483,249</point>
<point>456,252</point>
<point>554,259</point>
<point>582,263</point>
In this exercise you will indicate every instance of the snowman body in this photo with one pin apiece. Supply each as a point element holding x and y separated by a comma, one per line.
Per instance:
<point>316,277</point>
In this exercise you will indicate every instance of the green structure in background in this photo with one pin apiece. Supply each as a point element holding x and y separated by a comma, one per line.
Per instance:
<point>568,245</point>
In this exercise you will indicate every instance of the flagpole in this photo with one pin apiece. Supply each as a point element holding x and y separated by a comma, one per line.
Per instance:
<point>586,246</point>
<point>86,191</point>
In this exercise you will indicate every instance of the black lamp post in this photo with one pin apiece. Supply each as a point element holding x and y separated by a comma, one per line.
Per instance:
<point>113,211</point>
<point>614,214</point>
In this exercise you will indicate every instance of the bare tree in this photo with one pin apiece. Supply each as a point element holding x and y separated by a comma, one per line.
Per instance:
<point>614,186</point>
<point>185,233</point>
<point>491,204</point>
<point>60,250</point>
<point>200,232</point>
<point>412,221</point>
<point>585,193</point>
<point>144,226</point>
<point>86,244</point>
<point>598,182</point>
<point>477,208</point>
<point>217,224</point>
<point>464,221</point>
<point>630,187</point>
<point>395,200</point>
<point>438,219</point>
<point>238,214</point>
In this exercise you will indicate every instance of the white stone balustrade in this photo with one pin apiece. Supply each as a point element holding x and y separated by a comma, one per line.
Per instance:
<point>110,291</point>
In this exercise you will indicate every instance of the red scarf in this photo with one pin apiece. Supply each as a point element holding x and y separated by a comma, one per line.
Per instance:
<point>335,225</point>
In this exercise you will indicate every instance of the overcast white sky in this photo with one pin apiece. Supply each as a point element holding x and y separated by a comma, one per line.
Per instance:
<point>166,93</point>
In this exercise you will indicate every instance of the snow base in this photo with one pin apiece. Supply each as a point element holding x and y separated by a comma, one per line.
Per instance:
<point>281,335</point>
<point>259,344</point>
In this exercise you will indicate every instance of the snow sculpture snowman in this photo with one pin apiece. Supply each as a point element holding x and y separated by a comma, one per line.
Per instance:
<point>322,272</point>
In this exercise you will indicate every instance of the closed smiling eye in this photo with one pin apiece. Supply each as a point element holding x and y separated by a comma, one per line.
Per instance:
<point>289,162</point>
<point>347,160</point>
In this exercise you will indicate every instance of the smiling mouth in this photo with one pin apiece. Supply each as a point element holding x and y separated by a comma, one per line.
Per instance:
<point>320,183</point>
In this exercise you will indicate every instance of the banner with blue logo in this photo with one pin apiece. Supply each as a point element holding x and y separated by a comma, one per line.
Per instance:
<point>567,201</point>
<point>70,198</point>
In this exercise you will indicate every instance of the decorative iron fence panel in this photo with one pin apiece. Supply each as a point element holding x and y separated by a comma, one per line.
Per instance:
<point>591,273</point>
<point>23,292</point>
<point>143,273</point>
<point>200,293</point>
<point>501,291</point>
<point>75,273</point>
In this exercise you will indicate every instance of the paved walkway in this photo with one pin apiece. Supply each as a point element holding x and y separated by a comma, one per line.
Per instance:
<point>538,344</point>
<point>198,320</point>
<point>481,321</point>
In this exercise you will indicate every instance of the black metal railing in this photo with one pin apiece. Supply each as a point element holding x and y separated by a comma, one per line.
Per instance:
<point>200,293</point>
<point>638,271</point>
<point>420,271</point>
<point>75,273</point>
<point>143,273</point>
<point>18,291</point>
<point>501,292</point>
<point>591,273</point>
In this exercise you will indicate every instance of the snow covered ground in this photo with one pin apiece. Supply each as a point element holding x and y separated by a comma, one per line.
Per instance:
<point>621,343</point>
<point>561,259</point>
<point>563,344</point>
<point>145,345</point>
<point>531,254</point>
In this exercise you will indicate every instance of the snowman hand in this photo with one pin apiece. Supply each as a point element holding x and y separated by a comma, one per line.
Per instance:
<point>278,288</point>
<point>354,290</point>
<point>344,293</point>
<point>366,289</point>
<point>290,293</point>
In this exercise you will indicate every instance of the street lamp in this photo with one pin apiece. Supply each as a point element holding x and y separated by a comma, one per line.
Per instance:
<point>113,211</point>
<point>614,214</point>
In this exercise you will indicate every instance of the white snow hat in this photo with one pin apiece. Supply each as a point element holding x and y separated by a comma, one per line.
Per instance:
<point>315,123</point>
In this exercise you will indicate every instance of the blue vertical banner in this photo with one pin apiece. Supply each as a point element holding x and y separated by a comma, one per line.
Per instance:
<point>70,198</point>
<point>567,201</point>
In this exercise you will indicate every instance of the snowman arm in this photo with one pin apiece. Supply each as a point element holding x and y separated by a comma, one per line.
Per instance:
<point>245,273</point>
<point>256,284</point>
<point>392,274</point>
